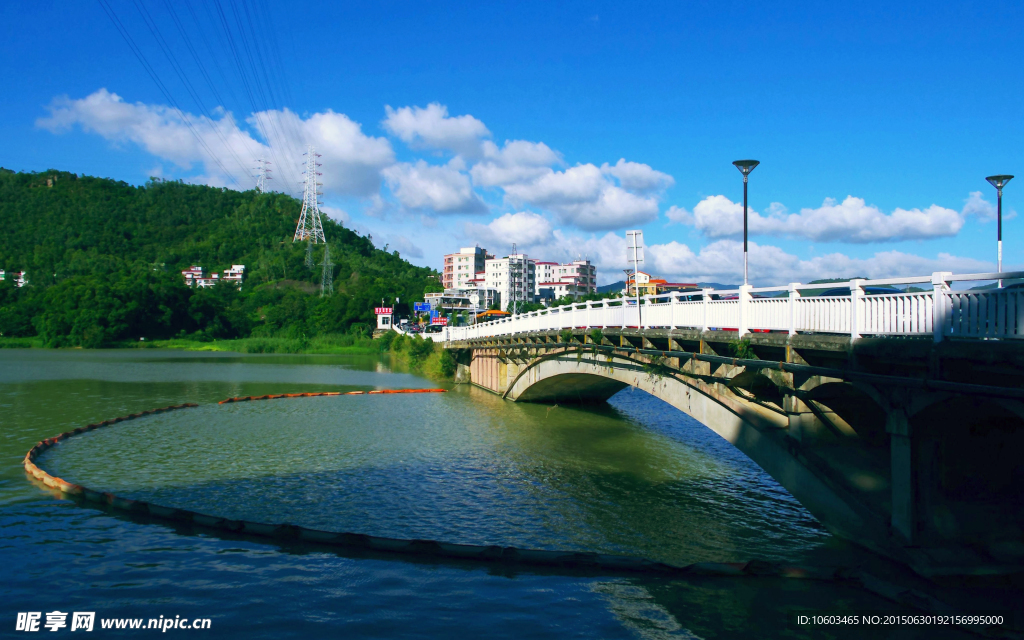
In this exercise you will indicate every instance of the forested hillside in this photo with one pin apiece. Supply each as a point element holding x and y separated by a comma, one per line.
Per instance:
<point>103,260</point>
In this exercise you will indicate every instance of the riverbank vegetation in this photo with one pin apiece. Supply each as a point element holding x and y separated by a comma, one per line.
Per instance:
<point>103,260</point>
<point>422,355</point>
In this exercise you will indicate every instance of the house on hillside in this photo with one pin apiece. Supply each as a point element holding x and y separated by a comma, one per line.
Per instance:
<point>196,276</point>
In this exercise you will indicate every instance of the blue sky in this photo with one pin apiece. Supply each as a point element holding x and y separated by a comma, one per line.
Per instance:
<point>457,123</point>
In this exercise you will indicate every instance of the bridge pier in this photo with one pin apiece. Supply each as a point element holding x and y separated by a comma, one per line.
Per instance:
<point>901,455</point>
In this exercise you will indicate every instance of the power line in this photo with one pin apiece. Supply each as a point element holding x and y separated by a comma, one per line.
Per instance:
<point>176,66</point>
<point>160,85</point>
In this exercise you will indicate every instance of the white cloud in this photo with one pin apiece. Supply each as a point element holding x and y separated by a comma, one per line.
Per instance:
<point>679,215</point>
<point>769,265</point>
<point>432,128</point>
<point>583,197</point>
<point>156,128</point>
<point>635,176</point>
<point>405,247</point>
<point>336,214</point>
<point>976,205</point>
<point>440,189</point>
<point>517,162</point>
<point>849,221</point>
<point>525,228</point>
<point>351,160</point>
<point>582,183</point>
<point>614,208</point>
<point>722,261</point>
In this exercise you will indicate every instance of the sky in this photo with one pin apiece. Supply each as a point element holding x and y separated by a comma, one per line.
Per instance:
<point>556,126</point>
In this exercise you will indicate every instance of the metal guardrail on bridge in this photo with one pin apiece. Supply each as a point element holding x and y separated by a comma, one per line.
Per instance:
<point>937,310</point>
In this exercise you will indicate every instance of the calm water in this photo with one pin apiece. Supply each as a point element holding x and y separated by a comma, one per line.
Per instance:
<point>635,477</point>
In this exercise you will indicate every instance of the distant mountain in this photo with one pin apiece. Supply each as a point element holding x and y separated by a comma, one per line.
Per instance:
<point>613,287</point>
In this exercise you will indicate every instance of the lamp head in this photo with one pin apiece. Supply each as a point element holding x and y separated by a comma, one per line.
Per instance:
<point>999,181</point>
<point>746,166</point>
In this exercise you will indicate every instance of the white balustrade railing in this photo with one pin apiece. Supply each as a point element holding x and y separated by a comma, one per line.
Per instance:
<point>937,310</point>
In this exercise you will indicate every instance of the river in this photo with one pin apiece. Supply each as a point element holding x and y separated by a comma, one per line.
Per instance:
<point>633,477</point>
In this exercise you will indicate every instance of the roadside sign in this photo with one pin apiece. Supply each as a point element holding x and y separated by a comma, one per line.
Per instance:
<point>421,307</point>
<point>440,321</point>
<point>383,311</point>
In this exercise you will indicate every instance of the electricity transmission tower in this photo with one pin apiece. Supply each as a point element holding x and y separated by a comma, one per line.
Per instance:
<point>327,275</point>
<point>261,175</point>
<point>310,227</point>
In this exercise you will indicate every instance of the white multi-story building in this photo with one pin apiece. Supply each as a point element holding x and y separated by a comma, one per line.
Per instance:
<point>196,276</point>
<point>463,266</point>
<point>514,278</point>
<point>576,278</point>
<point>19,277</point>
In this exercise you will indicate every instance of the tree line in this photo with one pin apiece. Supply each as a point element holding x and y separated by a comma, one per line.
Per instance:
<point>103,259</point>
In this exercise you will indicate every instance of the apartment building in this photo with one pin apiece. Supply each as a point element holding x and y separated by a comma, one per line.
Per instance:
<point>463,266</point>
<point>514,278</point>
<point>554,280</point>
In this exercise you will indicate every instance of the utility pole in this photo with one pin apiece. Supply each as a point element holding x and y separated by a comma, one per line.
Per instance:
<point>636,248</point>
<point>261,175</point>
<point>310,227</point>
<point>513,281</point>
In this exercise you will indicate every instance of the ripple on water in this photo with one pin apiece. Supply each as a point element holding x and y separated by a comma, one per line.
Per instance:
<point>636,477</point>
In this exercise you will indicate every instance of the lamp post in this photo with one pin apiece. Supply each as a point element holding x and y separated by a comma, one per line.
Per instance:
<point>745,167</point>
<point>999,182</point>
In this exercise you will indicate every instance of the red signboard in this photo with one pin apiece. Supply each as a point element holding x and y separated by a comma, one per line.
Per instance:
<point>441,321</point>
<point>383,311</point>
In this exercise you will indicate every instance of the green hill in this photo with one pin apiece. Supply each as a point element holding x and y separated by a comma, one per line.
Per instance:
<point>103,260</point>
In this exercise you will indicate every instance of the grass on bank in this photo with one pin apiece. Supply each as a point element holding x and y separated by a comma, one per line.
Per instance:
<point>323,344</point>
<point>20,343</point>
<point>422,355</point>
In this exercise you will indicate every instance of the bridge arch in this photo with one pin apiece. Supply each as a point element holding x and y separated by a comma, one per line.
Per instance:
<point>751,420</point>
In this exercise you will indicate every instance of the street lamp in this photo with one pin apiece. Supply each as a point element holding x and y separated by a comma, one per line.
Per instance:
<point>745,167</point>
<point>999,182</point>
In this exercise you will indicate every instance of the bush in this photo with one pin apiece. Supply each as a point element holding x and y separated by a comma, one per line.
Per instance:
<point>447,364</point>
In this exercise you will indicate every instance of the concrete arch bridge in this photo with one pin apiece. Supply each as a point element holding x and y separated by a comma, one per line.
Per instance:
<point>911,447</point>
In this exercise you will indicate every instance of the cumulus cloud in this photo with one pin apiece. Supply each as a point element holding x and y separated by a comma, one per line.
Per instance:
<point>583,197</point>
<point>354,164</point>
<point>431,127</point>
<point>852,221</point>
<point>518,161</point>
<point>436,188</point>
<point>722,261</point>
<point>679,215</point>
<point>977,205</point>
<point>635,176</point>
<point>405,247</point>
<point>340,215</point>
<point>351,161</point>
<point>525,228</point>
<point>769,265</point>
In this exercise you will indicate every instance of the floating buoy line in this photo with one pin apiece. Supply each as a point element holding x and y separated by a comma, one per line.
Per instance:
<point>493,554</point>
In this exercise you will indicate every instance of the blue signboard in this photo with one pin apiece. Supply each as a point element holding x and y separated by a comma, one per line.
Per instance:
<point>421,306</point>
